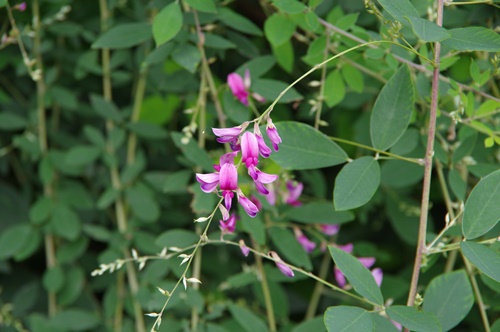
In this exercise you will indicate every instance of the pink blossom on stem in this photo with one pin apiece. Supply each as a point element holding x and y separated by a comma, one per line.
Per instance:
<point>346,247</point>
<point>285,269</point>
<point>249,149</point>
<point>272,133</point>
<point>271,196</point>
<point>238,86</point>
<point>230,135</point>
<point>264,150</point>
<point>21,7</point>
<point>339,277</point>
<point>378,274</point>
<point>330,229</point>
<point>228,226</point>
<point>256,201</point>
<point>244,249</point>
<point>249,207</point>
<point>294,192</point>
<point>307,244</point>
<point>260,178</point>
<point>367,261</point>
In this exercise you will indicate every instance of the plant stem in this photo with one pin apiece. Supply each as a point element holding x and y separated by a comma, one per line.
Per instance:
<point>139,97</point>
<point>120,211</point>
<point>319,287</point>
<point>429,153</point>
<point>321,96</point>
<point>265,290</point>
<point>477,292</point>
<point>50,247</point>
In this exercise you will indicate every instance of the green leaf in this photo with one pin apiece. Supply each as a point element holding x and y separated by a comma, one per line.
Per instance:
<point>485,259</point>
<point>65,223</point>
<point>73,286</point>
<point>3,3</point>
<point>177,182</point>
<point>107,198</point>
<point>11,121</point>
<point>304,147</point>
<point>257,66</point>
<point>13,239</point>
<point>411,318</point>
<point>426,30</point>
<point>75,320</point>
<point>187,56</point>
<point>53,279</point>
<point>314,324</point>
<point>319,213</point>
<point>457,184</point>
<point>105,109</point>
<point>482,209</point>
<point>291,249</point>
<point>356,183</point>
<point>285,56</point>
<point>334,88</point>
<point>270,90</point>
<point>249,321</point>
<point>148,130</point>
<point>40,210</point>
<point>124,36</point>
<point>207,6</point>
<point>143,204</point>
<point>177,238</point>
<point>290,6</point>
<point>359,276</point>
<point>253,226</point>
<point>399,9</point>
<point>382,324</point>
<point>400,174</point>
<point>278,29</point>
<point>391,113</point>
<point>81,155</point>
<point>347,319</point>
<point>193,152</point>
<point>238,22</point>
<point>473,39</point>
<point>167,23</point>
<point>353,78</point>
<point>449,297</point>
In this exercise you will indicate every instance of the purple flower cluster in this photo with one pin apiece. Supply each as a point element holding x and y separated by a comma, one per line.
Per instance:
<point>251,145</point>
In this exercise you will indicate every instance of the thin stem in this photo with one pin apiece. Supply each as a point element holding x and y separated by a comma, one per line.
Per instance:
<point>322,84</point>
<point>366,147</point>
<point>139,97</point>
<point>429,153</point>
<point>416,66</point>
<point>319,287</point>
<point>477,292</point>
<point>120,211</point>
<point>265,290</point>
<point>50,247</point>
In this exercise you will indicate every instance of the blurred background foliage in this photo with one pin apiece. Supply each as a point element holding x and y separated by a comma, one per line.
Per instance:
<point>93,160</point>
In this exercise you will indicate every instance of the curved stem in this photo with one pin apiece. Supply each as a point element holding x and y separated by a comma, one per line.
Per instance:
<point>322,84</point>
<point>429,153</point>
<point>265,290</point>
<point>318,288</point>
<point>477,292</point>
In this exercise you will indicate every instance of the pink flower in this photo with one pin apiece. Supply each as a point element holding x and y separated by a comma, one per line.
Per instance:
<point>330,229</point>
<point>249,149</point>
<point>272,133</point>
<point>244,249</point>
<point>230,135</point>
<point>346,247</point>
<point>227,227</point>
<point>256,201</point>
<point>226,178</point>
<point>271,196</point>
<point>21,7</point>
<point>265,151</point>
<point>294,192</point>
<point>378,274</point>
<point>249,207</point>
<point>260,177</point>
<point>285,269</point>
<point>239,87</point>
<point>307,244</point>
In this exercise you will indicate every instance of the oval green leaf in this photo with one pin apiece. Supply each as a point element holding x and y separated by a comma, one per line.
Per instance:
<point>391,113</point>
<point>81,155</point>
<point>319,213</point>
<point>176,238</point>
<point>482,209</point>
<point>167,23</point>
<point>334,88</point>
<point>123,36</point>
<point>413,319</point>
<point>287,245</point>
<point>359,276</point>
<point>249,321</point>
<point>278,29</point>
<point>143,204</point>
<point>399,9</point>
<point>271,89</point>
<point>486,260</point>
<point>426,30</point>
<point>473,39</point>
<point>356,183</point>
<point>207,6</point>
<point>347,319</point>
<point>193,152</point>
<point>449,297</point>
<point>304,147</point>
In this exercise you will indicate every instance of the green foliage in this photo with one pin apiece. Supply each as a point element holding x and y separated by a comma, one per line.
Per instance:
<point>106,117</point>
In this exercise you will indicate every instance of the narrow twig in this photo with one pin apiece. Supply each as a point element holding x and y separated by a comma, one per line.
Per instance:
<point>429,153</point>
<point>477,293</point>
<point>319,287</point>
<point>120,211</point>
<point>271,320</point>
<point>321,96</point>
